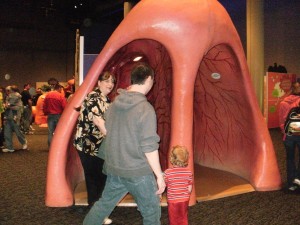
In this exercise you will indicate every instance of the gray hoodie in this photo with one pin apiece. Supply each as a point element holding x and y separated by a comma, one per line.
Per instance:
<point>131,132</point>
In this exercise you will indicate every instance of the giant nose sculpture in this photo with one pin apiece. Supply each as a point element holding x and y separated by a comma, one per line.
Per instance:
<point>202,96</point>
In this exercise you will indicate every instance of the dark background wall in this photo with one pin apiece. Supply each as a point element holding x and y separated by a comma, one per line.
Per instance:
<point>37,38</point>
<point>282,34</point>
<point>35,44</point>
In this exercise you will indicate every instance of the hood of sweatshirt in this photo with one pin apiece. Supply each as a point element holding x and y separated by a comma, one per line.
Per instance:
<point>128,99</point>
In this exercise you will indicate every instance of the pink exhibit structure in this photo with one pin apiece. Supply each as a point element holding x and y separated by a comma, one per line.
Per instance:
<point>202,95</point>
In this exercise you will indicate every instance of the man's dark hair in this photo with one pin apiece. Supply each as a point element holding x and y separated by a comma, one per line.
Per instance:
<point>14,88</point>
<point>140,73</point>
<point>57,87</point>
<point>53,81</point>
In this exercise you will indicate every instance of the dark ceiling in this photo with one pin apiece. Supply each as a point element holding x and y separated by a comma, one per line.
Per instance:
<point>49,25</point>
<point>33,13</point>
<point>40,19</point>
<point>28,13</point>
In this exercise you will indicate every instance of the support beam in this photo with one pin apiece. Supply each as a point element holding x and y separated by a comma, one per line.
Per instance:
<point>255,46</point>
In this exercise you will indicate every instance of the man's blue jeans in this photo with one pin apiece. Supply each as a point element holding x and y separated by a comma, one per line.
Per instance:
<point>143,190</point>
<point>292,170</point>
<point>52,121</point>
<point>11,126</point>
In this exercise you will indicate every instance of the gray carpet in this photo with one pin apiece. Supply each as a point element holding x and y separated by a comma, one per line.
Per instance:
<point>22,187</point>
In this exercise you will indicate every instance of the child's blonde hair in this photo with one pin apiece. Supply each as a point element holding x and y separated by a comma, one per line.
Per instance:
<point>179,156</point>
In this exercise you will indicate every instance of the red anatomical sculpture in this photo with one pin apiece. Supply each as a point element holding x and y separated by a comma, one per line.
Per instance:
<point>202,96</point>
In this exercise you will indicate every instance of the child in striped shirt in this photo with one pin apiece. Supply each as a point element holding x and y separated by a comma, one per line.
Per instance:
<point>179,180</point>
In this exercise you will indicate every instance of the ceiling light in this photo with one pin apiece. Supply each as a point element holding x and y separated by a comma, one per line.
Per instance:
<point>138,58</point>
<point>216,76</point>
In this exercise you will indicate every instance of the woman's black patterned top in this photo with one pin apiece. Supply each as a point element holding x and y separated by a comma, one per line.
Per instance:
<point>88,136</point>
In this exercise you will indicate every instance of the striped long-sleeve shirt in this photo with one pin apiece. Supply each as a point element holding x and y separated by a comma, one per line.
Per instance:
<point>177,180</point>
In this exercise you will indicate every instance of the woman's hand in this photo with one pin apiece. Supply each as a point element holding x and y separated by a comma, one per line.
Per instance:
<point>100,123</point>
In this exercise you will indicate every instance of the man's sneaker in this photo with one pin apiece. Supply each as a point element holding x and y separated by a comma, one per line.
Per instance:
<point>107,221</point>
<point>25,147</point>
<point>292,188</point>
<point>297,181</point>
<point>7,150</point>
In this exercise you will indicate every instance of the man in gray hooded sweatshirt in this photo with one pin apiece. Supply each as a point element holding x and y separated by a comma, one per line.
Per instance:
<point>130,151</point>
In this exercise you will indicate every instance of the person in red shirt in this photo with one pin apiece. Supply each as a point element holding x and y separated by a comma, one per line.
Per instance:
<point>292,141</point>
<point>53,107</point>
<point>179,180</point>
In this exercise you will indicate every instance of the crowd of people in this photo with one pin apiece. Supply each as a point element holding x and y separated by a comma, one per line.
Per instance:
<point>124,151</point>
<point>16,111</point>
<point>105,133</point>
<point>117,143</point>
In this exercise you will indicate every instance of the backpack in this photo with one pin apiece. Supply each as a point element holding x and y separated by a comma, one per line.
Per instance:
<point>292,119</point>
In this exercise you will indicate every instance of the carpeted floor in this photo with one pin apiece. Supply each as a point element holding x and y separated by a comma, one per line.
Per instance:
<point>22,188</point>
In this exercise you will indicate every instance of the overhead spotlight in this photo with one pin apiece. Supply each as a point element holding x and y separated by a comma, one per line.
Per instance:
<point>138,58</point>
<point>7,76</point>
<point>216,76</point>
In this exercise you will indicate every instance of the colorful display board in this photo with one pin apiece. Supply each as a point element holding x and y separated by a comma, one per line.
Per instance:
<point>277,87</point>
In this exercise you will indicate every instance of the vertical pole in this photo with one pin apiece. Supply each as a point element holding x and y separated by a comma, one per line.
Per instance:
<point>128,5</point>
<point>76,71</point>
<point>255,46</point>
